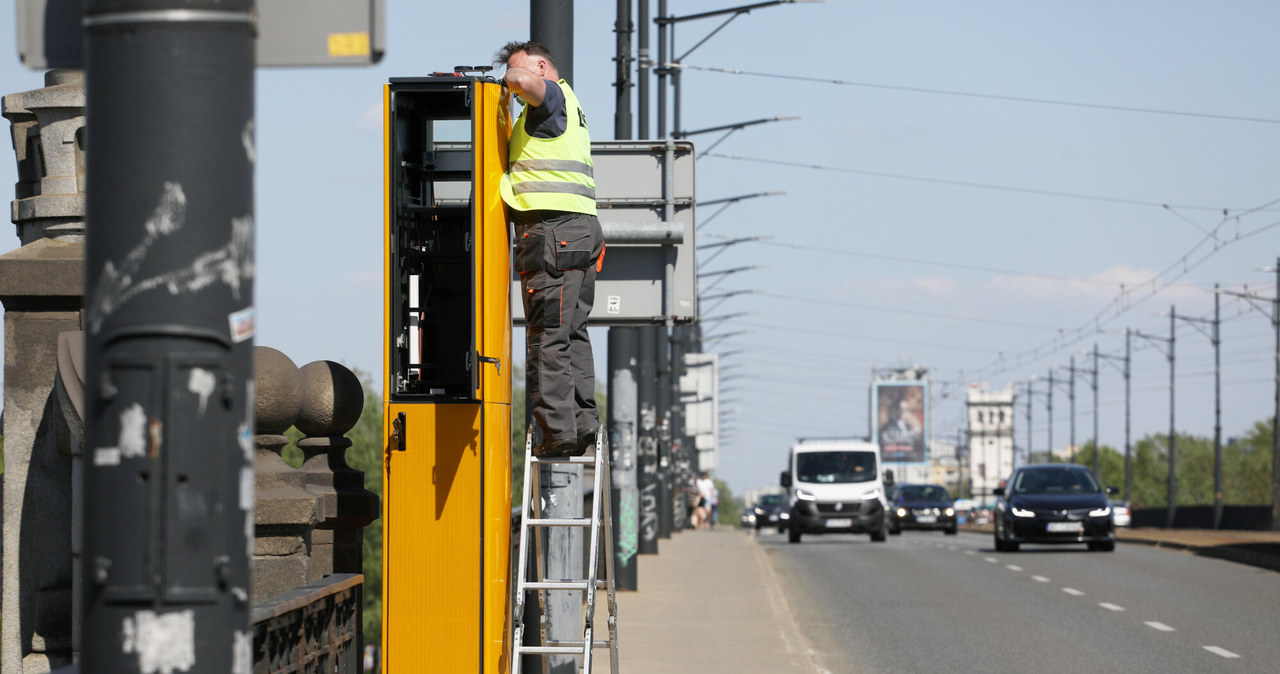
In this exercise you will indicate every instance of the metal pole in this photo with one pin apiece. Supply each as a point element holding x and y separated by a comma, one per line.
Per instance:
<point>1071,397</point>
<point>168,498</point>
<point>1031,401</point>
<point>663,57</point>
<point>622,115</point>
<point>1173,474</point>
<point>551,23</point>
<point>663,403</point>
<point>1217,412</point>
<point>623,408</point>
<point>1128,450</point>
<point>1050,404</point>
<point>644,63</point>
<point>647,482</point>
<point>1275,416</point>
<point>1096,449</point>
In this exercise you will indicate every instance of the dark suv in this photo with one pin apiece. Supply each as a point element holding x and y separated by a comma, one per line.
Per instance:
<point>1053,503</point>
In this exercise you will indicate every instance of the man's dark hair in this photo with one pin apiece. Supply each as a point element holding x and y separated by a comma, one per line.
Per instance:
<point>531,48</point>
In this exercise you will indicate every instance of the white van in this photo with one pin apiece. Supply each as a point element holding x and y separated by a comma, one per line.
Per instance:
<point>835,486</point>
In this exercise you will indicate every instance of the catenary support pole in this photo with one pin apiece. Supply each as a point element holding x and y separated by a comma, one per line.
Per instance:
<point>1071,398</point>
<point>551,23</point>
<point>1173,434</point>
<point>1097,450</point>
<point>623,408</point>
<point>1128,445</point>
<point>647,480</point>
<point>168,494</point>
<point>1217,410</point>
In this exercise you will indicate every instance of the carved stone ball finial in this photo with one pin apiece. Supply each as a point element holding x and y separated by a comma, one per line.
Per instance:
<point>279,390</point>
<point>332,399</point>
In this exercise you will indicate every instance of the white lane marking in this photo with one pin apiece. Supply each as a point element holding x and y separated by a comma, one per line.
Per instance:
<point>1110,607</point>
<point>1220,651</point>
<point>1013,567</point>
<point>1072,591</point>
<point>970,552</point>
<point>993,560</point>
<point>1040,579</point>
<point>1159,626</point>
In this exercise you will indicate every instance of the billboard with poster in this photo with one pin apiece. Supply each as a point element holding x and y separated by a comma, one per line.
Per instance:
<point>900,410</point>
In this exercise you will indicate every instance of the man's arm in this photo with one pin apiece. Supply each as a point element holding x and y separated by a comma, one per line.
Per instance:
<point>527,85</point>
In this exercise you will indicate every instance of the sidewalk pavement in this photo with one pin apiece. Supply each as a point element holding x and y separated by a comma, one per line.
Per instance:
<point>709,603</point>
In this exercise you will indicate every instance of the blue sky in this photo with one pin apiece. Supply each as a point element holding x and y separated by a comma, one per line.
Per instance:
<point>982,188</point>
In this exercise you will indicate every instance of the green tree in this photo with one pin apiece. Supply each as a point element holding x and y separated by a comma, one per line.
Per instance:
<point>1246,467</point>
<point>730,506</point>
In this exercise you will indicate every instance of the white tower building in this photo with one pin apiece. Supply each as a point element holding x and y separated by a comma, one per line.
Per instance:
<point>990,439</point>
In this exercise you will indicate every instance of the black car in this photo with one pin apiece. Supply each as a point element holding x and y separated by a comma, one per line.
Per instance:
<point>1053,503</point>
<point>921,506</point>
<point>771,511</point>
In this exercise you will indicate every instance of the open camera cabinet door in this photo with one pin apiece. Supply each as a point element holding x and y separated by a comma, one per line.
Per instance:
<point>446,507</point>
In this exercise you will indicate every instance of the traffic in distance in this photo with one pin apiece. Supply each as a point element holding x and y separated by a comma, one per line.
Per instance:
<point>834,485</point>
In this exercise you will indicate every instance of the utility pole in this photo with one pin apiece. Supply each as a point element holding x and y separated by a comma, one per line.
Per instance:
<point>1125,374</point>
<point>1097,449</point>
<point>1254,300</point>
<point>1172,489</point>
<point>168,498</point>
<point>1213,336</point>
<point>1050,405</point>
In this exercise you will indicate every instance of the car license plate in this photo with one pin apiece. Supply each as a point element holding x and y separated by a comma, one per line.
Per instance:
<point>927,519</point>
<point>839,524</point>
<point>1065,527</point>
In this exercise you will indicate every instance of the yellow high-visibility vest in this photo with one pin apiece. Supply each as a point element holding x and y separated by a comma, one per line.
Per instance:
<point>552,173</point>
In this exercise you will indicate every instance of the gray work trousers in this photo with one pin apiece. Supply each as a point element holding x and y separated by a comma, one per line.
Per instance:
<point>556,256</point>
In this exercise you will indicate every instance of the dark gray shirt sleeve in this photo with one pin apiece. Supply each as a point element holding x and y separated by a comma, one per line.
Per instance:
<point>548,120</point>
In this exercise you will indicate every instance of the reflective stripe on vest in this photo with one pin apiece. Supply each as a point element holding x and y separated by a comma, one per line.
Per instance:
<point>552,173</point>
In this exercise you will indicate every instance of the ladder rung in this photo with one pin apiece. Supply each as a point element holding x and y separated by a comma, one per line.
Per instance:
<point>564,585</point>
<point>561,648</point>
<point>563,459</point>
<point>563,522</point>
<point>577,643</point>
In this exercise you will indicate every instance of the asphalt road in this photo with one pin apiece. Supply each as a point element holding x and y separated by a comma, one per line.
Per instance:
<point>928,602</point>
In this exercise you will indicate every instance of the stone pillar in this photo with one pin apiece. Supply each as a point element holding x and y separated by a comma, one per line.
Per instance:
<point>285,512</point>
<point>42,288</point>
<point>332,400</point>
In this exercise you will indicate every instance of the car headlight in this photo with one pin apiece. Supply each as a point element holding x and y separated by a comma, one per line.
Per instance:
<point>804,495</point>
<point>1019,512</point>
<point>784,515</point>
<point>1100,512</point>
<point>873,494</point>
<point>902,512</point>
<point>951,512</point>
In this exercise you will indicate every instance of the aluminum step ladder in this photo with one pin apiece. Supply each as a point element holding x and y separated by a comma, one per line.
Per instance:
<point>600,543</point>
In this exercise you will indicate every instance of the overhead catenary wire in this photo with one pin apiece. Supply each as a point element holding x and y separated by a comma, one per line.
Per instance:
<point>970,94</point>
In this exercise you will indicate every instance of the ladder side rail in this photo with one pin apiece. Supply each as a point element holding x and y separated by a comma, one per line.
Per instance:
<point>610,587</point>
<point>522,564</point>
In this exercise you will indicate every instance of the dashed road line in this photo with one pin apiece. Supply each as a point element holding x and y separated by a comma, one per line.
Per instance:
<point>1072,591</point>
<point>993,560</point>
<point>1110,607</point>
<point>1040,579</point>
<point>1013,567</point>
<point>1159,626</point>
<point>1220,651</point>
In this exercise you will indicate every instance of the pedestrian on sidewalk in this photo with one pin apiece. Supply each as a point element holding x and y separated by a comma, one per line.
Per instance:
<point>706,491</point>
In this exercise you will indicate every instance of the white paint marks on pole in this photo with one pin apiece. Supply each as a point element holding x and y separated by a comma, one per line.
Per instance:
<point>246,139</point>
<point>164,643</point>
<point>202,383</point>
<point>106,456</point>
<point>1159,626</point>
<point>1216,650</point>
<point>133,432</point>
<point>242,653</point>
<point>1072,591</point>
<point>1110,607</point>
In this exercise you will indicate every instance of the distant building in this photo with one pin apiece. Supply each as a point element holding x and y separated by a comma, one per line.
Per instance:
<point>990,439</point>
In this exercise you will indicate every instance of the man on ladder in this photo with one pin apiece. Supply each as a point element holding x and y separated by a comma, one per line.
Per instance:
<point>559,247</point>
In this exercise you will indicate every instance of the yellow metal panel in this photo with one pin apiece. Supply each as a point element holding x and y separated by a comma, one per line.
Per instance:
<point>433,541</point>
<point>493,269</point>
